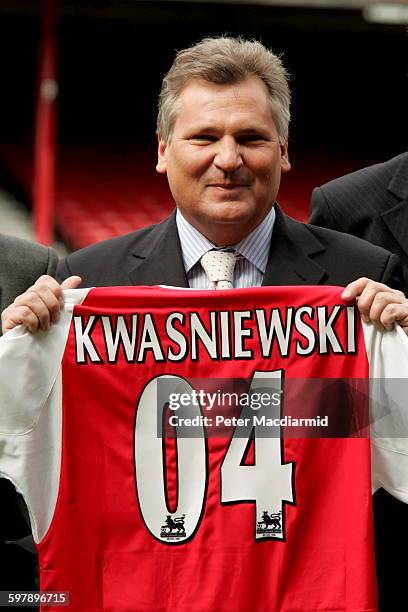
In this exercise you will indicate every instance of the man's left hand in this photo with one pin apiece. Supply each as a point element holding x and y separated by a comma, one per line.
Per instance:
<point>378,303</point>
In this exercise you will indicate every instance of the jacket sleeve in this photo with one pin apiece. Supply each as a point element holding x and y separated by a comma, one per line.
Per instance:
<point>51,263</point>
<point>321,212</point>
<point>63,270</point>
<point>393,275</point>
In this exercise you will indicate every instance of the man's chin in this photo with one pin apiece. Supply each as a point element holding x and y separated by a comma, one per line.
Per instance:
<point>222,227</point>
<point>231,211</point>
<point>237,220</point>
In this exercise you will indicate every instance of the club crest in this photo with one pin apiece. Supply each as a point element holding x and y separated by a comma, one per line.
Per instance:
<point>173,528</point>
<point>270,524</point>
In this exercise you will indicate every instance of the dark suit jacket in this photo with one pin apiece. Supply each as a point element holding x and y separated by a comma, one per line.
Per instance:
<point>371,203</point>
<point>21,263</point>
<point>300,255</point>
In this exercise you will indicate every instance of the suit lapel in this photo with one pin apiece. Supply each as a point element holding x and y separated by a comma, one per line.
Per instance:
<point>290,259</point>
<point>157,259</point>
<point>396,218</point>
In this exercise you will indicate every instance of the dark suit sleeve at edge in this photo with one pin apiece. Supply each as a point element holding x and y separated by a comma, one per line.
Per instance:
<point>63,270</point>
<point>392,275</point>
<point>321,213</point>
<point>52,263</point>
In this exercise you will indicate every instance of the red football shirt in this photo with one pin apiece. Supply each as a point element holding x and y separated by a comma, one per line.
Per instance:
<point>229,512</point>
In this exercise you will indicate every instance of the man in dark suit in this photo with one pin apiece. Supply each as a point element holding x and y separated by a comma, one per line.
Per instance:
<point>21,263</point>
<point>372,203</point>
<point>222,132</point>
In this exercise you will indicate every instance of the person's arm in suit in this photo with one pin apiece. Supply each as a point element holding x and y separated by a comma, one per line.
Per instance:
<point>52,262</point>
<point>37,307</point>
<point>393,275</point>
<point>21,264</point>
<point>341,205</point>
<point>321,211</point>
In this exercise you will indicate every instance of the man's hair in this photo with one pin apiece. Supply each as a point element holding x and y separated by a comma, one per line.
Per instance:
<point>224,60</point>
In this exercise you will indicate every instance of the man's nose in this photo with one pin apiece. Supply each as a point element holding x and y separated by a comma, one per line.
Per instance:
<point>228,156</point>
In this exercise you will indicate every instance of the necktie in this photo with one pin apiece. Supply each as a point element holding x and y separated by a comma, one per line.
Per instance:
<point>219,267</point>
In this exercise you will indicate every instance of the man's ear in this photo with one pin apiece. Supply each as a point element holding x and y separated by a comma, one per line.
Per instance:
<point>161,165</point>
<point>285,163</point>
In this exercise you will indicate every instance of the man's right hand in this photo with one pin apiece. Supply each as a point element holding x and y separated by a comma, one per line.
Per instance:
<point>39,306</point>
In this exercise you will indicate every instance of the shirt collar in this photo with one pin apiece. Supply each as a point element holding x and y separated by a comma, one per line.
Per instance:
<point>254,247</point>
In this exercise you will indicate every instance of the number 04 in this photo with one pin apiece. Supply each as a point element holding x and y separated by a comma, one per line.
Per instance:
<point>268,483</point>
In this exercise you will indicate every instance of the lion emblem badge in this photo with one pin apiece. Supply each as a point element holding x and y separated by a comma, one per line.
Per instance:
<point>173,528</point>
<point>270,523</point>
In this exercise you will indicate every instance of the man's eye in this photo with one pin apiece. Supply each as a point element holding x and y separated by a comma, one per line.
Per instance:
<point>251,138</point>
<point>204,138</point>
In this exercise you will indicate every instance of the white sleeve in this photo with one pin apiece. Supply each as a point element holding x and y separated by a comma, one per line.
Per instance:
<point>30,412</point>
<point>388,358</point>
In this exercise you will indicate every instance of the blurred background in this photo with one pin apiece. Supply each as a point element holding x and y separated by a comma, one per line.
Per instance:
<point>79,85</point>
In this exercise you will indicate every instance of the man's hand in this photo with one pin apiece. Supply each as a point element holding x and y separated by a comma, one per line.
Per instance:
<point>378,303</point>
<point>39,306</point>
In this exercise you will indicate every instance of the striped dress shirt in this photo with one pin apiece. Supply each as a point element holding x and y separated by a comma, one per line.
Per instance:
<point>253,253</point>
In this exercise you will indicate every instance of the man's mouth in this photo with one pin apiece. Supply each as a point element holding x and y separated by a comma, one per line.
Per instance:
<point>229,186</point>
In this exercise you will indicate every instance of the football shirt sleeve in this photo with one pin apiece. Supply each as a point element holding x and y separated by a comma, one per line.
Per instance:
<point>30,412</point>
<point>388,357</point>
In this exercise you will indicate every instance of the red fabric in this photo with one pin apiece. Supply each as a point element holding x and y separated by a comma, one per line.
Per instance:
<point>98,547</point>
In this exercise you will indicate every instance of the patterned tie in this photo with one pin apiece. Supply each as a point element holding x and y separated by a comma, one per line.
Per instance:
<point>219,267</point>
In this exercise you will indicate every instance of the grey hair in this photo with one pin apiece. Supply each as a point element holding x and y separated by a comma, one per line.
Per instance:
<point>224,60</point>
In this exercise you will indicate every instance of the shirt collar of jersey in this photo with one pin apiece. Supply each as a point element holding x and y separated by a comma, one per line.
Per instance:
<point>254,247</point>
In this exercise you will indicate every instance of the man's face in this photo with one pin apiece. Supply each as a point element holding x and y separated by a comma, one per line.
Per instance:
<point>224,160</point>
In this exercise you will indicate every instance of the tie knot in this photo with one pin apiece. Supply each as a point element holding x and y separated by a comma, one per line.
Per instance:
<point>219,267</point>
